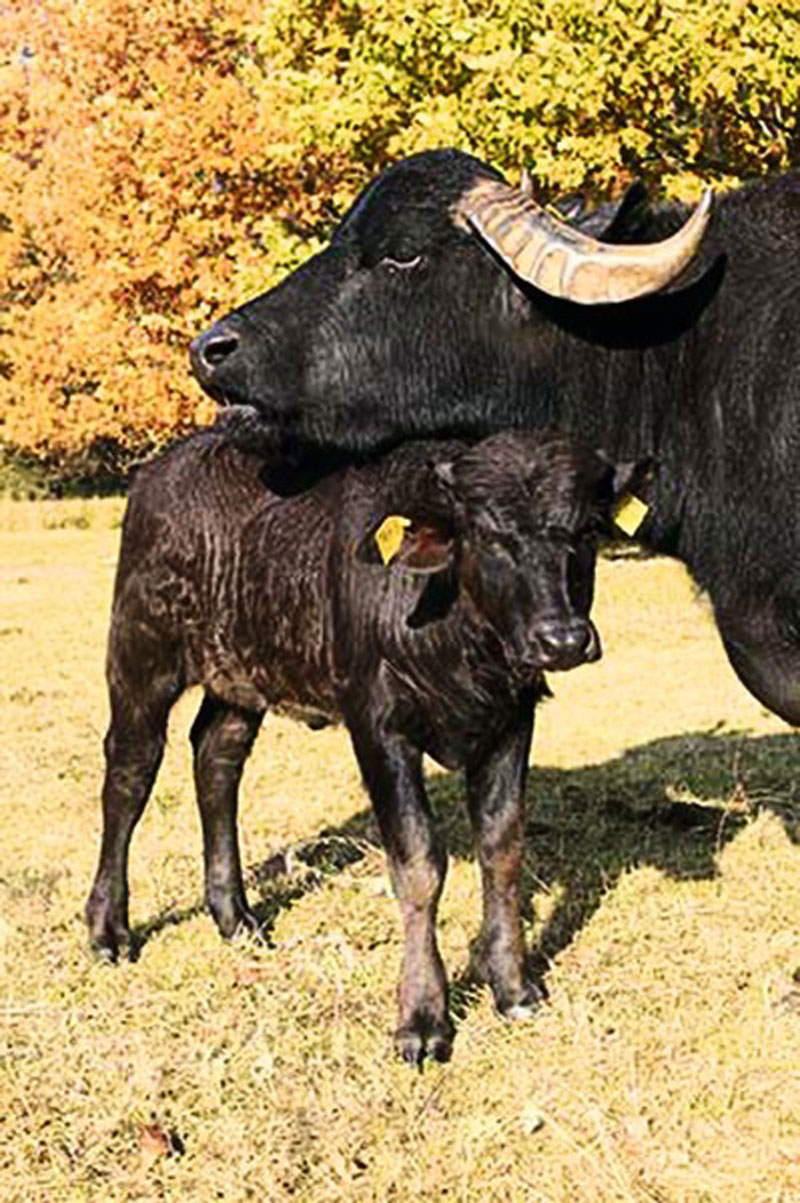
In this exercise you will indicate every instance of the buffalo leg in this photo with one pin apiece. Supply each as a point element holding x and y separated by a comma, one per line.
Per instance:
<point>222,737</point>
<point>496,797</point>
<point>133,748</point>
<point>392,771</point>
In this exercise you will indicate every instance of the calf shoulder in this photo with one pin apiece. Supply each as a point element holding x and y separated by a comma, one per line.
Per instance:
<point>444,684</point>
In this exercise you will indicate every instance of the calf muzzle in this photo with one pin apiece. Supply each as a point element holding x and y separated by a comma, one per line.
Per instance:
<point>561,644</point>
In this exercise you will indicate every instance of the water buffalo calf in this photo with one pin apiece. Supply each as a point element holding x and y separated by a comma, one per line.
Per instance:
<point>271,601</point>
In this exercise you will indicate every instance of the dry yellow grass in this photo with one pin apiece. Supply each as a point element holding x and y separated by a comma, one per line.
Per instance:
<point>665,882</point>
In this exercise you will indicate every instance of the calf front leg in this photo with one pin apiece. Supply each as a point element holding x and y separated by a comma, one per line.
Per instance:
<point>495,796</point>
<point>222,737</point>
<point>392,771</point>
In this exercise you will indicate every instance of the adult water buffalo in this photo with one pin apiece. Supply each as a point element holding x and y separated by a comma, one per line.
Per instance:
<point>447,303</point>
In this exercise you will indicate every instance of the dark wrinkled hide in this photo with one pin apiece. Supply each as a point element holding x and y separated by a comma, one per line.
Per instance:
<point>283,602</point>
<point>407,325</point>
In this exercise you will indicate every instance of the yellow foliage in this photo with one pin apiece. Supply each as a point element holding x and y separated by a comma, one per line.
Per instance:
<point>160,163</point>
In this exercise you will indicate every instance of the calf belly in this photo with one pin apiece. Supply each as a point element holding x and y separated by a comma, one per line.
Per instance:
<point>300,690</point>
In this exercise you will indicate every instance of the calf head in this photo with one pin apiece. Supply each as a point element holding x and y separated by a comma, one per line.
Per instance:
<point>512,529</point>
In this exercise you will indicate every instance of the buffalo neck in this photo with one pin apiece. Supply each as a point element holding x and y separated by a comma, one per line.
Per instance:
<point>684,378</point>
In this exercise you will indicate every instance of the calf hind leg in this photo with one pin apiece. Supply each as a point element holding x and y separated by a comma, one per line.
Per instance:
<point>222,737</point>
<point>134,745</point>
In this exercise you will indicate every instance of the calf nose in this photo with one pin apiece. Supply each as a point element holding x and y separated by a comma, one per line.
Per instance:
<point>564,643</point>
<point>212,351</point>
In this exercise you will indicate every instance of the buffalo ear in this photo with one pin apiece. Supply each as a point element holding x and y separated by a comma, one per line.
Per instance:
<point>631,487</point>
<point>424,548</point>
<point>634,476</point>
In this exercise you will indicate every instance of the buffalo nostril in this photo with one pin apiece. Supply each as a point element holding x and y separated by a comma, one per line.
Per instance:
<point>215,350</point>
<point>216,358</point>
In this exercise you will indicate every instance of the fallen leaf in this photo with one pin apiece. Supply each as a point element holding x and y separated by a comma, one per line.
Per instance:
<point>154,1141</point>
<point>250,974</point>
<point>532,1119</point>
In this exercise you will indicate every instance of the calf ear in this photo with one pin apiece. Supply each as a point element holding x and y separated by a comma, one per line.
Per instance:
<point>419,547</point>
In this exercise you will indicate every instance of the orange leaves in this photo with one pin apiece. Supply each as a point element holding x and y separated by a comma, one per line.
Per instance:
<point>120,173</point>
<point>159,163</point>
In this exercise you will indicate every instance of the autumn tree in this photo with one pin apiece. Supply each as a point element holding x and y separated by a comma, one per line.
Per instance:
<point>162,162</point>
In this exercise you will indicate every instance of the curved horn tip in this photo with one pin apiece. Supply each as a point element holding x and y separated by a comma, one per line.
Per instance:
<point>567,263</point>
<point>706,201</point>
<point>696,224</point>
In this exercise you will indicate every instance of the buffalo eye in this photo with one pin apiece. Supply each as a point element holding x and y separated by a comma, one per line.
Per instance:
<point>396,266</point>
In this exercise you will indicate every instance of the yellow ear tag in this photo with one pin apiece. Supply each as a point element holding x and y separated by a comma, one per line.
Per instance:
<point>629,513</point>
<point>389,536</point>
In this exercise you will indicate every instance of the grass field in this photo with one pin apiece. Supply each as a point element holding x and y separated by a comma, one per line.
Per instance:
<point>664,876</point>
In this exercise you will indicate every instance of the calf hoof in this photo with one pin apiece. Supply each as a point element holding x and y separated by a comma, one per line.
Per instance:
<point>249,929</point>
<point>425,1039</point>
<point>233,917</point>
<point>523,1007</point>
<point>515,995</point>
<point>112,945</point>
<point>110,939</point>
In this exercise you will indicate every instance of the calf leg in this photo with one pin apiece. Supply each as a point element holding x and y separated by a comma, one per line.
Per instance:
<point>133,747</point>
<point>222,737</point>
<point>392,770</point>
<point>495,796</point>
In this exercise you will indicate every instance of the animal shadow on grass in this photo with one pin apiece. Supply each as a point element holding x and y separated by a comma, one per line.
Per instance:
<point>673,803</point>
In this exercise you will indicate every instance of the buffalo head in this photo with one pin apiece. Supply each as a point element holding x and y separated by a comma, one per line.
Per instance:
<point>414,320</point>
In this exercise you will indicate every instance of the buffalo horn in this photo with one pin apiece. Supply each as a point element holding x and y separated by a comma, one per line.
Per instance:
<point>566,263</point>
